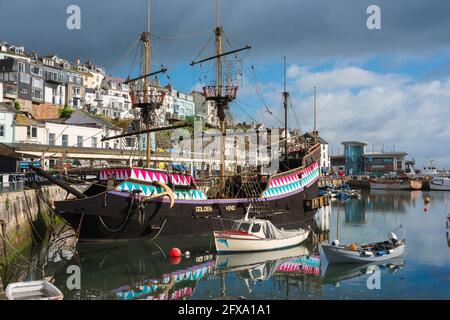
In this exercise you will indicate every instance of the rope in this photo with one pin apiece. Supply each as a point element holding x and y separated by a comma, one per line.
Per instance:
<point>123,224</point>
<point>160,229</point>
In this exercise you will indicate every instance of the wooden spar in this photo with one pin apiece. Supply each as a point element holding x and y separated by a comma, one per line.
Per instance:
<point>59,182</point>
<point>147,131</point>
<point>221,55</point>
<point>163,70</point>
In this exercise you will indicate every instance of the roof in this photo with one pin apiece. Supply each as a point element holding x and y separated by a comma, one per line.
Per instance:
<point>6,107</point>
<point>354,143</point>
<point>22,120</point>
<point>384,154</point>
<point>84,118</point>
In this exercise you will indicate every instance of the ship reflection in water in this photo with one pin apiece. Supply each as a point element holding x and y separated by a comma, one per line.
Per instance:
<point>142,270</point>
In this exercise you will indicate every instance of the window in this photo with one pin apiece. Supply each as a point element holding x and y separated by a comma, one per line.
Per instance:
<point>51,139</point>
<point>256,227</point>
<point>23,91</point>
<point>31,131</point>
<point>64,140</point>
<point>130,142</point>
<point>94,142</point>
<point>36,71</point>
<point>37,94</point>
<point>79,141</point>
<point>21,67</point>
<point>244,227</point>
<point>25,78</point>
<point>2,131</point>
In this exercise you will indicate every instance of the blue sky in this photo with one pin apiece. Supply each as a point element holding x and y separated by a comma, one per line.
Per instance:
<point>388,86</point>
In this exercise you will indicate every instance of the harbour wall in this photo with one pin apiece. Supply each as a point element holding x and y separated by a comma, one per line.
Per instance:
<point>25,218</point>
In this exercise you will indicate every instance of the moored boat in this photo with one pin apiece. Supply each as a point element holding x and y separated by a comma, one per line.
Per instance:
<point>33,290</point>
<point>440,183</point>
<point>253,235</point>
<point>395,184</point>
<point>374,252</point>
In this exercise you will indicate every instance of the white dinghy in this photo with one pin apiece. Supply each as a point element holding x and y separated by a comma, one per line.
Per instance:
<point>254,235</point>
<point>375,252</point>
<point>33,290</point>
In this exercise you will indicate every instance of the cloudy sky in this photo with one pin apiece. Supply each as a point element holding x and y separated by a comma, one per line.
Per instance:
<point>386,87</point>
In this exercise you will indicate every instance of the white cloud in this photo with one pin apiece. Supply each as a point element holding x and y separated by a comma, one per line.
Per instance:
<point>345,77</point>
<point>388,109</point>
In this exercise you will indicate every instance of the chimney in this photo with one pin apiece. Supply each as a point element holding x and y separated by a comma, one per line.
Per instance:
<point>1,91</point>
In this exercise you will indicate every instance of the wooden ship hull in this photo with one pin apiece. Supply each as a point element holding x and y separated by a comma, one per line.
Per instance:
<point>131,211</point>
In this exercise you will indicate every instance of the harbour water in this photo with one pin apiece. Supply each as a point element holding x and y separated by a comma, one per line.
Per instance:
<point>143,270</point>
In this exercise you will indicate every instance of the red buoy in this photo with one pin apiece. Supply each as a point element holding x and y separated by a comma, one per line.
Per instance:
<point>175,252</point>
<point>174,260</point>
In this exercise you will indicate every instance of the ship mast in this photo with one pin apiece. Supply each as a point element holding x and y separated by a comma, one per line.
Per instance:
<point>221,103</point>
<point>285,104</point>
<point>315,117</point>
<point>146,41</point>
<point>220,94</point>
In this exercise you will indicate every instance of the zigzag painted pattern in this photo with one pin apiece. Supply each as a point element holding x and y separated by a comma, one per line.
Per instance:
<point>153,190</point>
<point>293,182</point>
<point>147,176</point>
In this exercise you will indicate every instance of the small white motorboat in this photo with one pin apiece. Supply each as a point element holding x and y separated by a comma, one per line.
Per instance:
<point>33,290</point>
<point>253,235</point>
<point>375,252</point>
<point>440,183</point>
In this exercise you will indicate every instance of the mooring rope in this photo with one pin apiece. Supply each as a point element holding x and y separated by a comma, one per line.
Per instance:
<point>160,229</point>
<point>124,222</point>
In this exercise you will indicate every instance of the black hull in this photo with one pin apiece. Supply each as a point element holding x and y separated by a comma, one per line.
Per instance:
<point>116,216</point>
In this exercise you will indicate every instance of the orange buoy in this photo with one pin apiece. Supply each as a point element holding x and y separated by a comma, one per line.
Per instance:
<point>175,252</point>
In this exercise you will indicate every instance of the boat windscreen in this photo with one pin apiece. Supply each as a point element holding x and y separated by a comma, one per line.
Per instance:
<point>244,227</point>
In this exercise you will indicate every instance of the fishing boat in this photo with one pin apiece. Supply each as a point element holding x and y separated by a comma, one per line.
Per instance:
<point>33,290</point>
<point>395,184</point>
<point>253,235</point>
<point>145,203</point>
<point>374,252</point>
<point>440,183</point>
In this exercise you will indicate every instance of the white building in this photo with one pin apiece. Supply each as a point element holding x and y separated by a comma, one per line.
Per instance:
<point>111,100</point>
<point>60,134</point>
<point>205,110</point>
<point>28,130</point>
<point>177,105</point>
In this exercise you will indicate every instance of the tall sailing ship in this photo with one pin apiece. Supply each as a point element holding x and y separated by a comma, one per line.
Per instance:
<point>147,203</point>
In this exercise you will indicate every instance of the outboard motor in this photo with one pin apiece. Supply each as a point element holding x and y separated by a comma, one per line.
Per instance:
<point>335,243</point>
<point>393,237</point>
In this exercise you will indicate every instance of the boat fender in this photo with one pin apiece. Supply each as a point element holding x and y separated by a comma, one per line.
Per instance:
<point>391,250</point>
<point>381,253</point>
<point>335,243</point>
<point>368,253</point>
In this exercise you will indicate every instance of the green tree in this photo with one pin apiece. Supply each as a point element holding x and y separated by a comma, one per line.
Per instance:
<point>17,105</point>
<point>65,112</point>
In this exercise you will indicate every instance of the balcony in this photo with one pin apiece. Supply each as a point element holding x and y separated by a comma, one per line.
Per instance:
<point>10,92</point>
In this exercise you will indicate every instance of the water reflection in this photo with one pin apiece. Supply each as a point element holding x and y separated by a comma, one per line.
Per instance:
<point>334,274</point>
<point>141,270</point>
